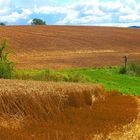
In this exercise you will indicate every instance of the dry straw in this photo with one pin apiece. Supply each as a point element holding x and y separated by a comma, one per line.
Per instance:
<point>41,100</point>
<point>31,110</point>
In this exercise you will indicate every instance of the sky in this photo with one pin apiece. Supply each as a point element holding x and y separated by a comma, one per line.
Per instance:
<point>71,12</point>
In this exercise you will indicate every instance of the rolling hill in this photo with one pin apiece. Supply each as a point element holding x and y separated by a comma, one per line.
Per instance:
<point>71,46</point>
<point>134,26</point>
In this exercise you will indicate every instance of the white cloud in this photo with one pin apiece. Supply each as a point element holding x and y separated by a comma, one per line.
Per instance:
<point>50,10</point>
<point>130,18</point>
<point>110,7</point>
<point>14,16</point>
<point>95,11</point>
<point>9,14</point>
<point>30,21</point>
<point>4,3</point>
<point>4,6</point>
<point>86,12</point>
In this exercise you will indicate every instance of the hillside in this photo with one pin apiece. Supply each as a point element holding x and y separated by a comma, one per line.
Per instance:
<point>134,26</point>
<point>71,46</point>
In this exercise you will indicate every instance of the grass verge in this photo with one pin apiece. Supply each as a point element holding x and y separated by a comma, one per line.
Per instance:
<point>108,77</point>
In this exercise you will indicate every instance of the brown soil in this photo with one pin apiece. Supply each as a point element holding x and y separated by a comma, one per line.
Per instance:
<point>59,111</point>
<point>71,46</point>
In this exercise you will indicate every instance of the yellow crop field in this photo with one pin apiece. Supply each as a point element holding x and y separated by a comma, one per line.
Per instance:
<point>51,111</point>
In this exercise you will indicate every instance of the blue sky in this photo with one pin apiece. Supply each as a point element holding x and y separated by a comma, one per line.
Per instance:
<point>71,12</point>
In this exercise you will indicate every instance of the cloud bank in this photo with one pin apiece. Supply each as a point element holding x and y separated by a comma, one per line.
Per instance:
<point>80,12</point>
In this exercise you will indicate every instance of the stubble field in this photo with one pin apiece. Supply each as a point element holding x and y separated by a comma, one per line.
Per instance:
<point>59,111</point>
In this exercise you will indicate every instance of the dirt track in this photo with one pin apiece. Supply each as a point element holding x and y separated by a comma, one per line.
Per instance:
<point>67,46</point>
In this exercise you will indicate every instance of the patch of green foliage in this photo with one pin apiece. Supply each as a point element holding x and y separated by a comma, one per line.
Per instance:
<point>37,21</point>
<point>2,24</point>
<point>122,70</point>
<point>108,77</point>
<point>6,66</point>
<point>50,75</point>
<point>132,69</point>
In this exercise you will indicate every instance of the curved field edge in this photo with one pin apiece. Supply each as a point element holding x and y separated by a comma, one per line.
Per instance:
<point>108,77</point>
<point>51,111</point>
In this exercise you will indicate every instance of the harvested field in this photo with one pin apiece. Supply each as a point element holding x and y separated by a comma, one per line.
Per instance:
<point>71,46</point>
<point>51,111</point>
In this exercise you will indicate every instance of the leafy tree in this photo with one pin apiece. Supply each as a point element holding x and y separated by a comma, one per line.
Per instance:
<point>6,65</point>
<point>2,24</point>
<point>37,21</point>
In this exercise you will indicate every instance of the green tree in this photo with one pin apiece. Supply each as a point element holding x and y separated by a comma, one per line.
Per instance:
<point>2,24</point>
<point>37,21</point>
<point>6,65</point>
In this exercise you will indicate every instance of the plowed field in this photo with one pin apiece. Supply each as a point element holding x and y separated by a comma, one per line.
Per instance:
<point>71,46</point>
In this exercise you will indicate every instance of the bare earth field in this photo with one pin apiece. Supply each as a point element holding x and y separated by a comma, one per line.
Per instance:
<point>71,46</point>
<point>61,111</point>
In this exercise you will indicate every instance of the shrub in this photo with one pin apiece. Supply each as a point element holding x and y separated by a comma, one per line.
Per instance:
<point>134,69</point>
<point>6,66</point>
<point>51,75</point>
<point>122,70</point>
<point>77,78</point>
